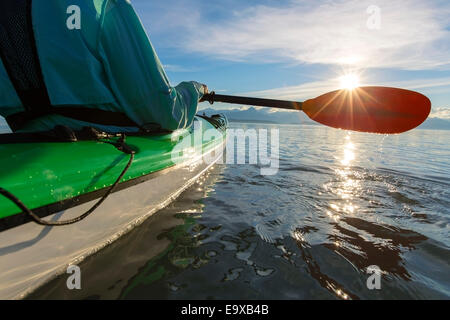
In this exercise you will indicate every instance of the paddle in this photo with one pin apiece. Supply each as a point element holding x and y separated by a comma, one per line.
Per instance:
<point>365,109</point>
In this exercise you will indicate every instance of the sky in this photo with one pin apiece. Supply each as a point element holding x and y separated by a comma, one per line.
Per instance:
<point>296,50</point>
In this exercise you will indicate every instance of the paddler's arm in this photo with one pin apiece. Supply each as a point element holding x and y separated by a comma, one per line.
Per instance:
<point>136,75</point>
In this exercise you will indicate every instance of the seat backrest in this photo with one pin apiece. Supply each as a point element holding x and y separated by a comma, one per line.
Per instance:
<point>19,54</point>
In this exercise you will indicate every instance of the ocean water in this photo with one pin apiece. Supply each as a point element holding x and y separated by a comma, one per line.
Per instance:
<point>340,203</point>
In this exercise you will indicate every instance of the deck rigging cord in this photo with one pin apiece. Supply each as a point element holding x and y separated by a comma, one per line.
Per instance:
<point>121,146</point>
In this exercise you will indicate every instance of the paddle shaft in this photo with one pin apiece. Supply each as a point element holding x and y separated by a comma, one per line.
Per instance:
<point>280,104</point>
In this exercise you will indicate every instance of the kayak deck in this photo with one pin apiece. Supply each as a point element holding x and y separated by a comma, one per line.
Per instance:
<point>40,174</point>
<point>32,254</point>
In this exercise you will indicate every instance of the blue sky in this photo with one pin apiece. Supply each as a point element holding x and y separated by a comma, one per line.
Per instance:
<point>296,49</point>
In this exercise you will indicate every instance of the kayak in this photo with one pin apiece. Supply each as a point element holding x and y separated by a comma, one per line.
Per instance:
<point>97,190</point>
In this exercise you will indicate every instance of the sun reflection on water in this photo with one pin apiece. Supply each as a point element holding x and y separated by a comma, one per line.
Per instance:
<point>347,186</point>
<point>349,152</point>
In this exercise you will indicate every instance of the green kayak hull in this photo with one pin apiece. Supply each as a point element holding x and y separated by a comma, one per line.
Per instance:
<point>61,181</point>
<point>42,174</point>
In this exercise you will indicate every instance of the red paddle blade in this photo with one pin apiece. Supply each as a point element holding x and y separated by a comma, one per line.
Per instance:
<point>370,109</point>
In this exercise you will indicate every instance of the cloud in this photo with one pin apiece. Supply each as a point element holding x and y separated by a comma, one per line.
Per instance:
<point>441,112</point>
<point>312,89</point>
<point>416,84</point>
<point>178,68</point>
<point>299,92</point>
<point>413,34</point>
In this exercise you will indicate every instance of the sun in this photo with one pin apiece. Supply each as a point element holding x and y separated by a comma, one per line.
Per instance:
<point>349,81</point>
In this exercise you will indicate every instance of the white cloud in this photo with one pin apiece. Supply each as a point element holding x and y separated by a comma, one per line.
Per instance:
<point>178,68</point>
<point>441,112</point>
<point>299,92</point>
<point>413,35</point>
<point>313,89</point>
<point>416,84</point>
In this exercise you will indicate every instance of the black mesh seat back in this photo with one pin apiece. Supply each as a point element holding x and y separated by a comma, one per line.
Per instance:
<point>19,54</point>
